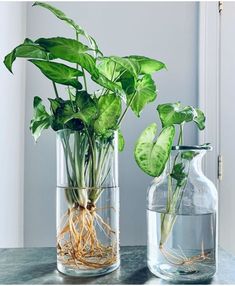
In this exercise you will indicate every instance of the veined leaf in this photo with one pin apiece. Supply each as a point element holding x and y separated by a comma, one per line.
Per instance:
<point>199,119</point>
<point>105,82</point>
<point>59,73</point>
<point>108,68</point>
<point>147,65</point>
<point>145,92</point>
<point>26,50</point>
<point>109,107</point>
<point>87,110</point>
<point>121,141</point>
<point>72,51</point>
<point>60,15</point>
<point>174,113</point>
<point>152,156</point>
<point>41,119</point>
<point>127,64</point>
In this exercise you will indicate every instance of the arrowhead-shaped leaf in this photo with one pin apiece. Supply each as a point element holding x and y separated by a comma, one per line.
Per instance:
<point>174,113</point>
<point>59,73</point>
<point>41,119</point>
<point>109,107</point>
<point>147,65</point>
<point>72,51</point>
<point>152,156</point>
<point>145,92</point>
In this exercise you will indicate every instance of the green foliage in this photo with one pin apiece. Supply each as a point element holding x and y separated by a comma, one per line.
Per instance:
<point>59,73</point>
<point>150,155</point>
<point>68,61</point>
<point>41,119</point>
<point>109,107</point>
<point>72,51</point>
<point>178,173</point>
<point>175,113</point>
<point>189,155</point>
<point>26,50</point>
<point>121,141</point>
<point>144,93</point>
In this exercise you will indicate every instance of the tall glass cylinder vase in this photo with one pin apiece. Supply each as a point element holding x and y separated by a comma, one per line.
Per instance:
<point>182,219</point>
<point>87,204</point>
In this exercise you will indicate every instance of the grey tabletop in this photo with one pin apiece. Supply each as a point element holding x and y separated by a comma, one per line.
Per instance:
<point>38,266</point>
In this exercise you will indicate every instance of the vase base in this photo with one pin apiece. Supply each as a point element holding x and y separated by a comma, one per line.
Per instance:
<point>70,271</point>
<point>171,274</point>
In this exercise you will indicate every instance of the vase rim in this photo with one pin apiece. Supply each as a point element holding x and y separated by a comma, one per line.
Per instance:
<point>191,147</point>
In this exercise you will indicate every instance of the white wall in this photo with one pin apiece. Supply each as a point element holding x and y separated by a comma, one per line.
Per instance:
<point>166,31</point>
<point>12,111</point>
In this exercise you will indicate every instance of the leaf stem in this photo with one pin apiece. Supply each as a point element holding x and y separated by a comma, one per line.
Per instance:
<point>180,140</point>
<point>128,105</point>
<point>84,78</point>
<point>55,89</point>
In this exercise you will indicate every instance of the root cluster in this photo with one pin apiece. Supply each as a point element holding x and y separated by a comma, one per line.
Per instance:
<point>78,244</point>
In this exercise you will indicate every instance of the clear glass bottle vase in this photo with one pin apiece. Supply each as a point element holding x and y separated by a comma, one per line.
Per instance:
<point>182,219</point>
<point>87,204</point>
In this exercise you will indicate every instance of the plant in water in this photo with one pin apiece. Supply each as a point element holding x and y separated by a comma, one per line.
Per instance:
<point>91,118</point>
<point>152,156</point>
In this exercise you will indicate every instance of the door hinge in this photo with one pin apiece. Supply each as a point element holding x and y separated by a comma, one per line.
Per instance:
<point>220,6</point>
<point>220,167</point>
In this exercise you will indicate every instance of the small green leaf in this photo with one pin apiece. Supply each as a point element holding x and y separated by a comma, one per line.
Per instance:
<point>174,113</point>
<point>189,155</point>
<point>72,51</point>
<point>200,119</point>
<point>121,141</point>
<point>26,50</point>
<point>109,107</point>
<point>145,92</point>
<point>178,174</point>
<point>60,15</point>
<point>147,65</point>
<point>41,119</point>
<point>59,73</point>
<point>152,156</point>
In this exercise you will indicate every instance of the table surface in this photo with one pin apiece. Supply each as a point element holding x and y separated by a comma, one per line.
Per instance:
<point>38,266</point>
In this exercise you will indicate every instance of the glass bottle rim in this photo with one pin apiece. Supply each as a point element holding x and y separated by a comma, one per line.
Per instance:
<point>192,147</point>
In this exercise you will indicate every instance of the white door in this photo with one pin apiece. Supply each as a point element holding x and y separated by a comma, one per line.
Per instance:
<point>227,127</point>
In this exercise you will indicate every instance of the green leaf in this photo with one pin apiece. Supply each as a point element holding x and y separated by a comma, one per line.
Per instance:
<point>174,113</point>
<point>152,156</point>
<point>109,107</point>
<point>41,119</point>
<point>189,155</point>
<point>121,141</point>
<point>105,82</point>
<point>178,174</point>
<point>127,64</point>
<point>59,73</point>
<point>72,51</point>
<point>26,50</point>
<point>108,68</point>
<point>60,15</point>
<point>87,110</point>
<point>147,65</point>
<point>145,92</point>
<point>200,119</point>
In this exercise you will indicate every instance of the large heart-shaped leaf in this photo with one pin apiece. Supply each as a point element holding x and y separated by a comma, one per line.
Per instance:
<point>41,119</point>
<point>71,51</point>
<point>109,107</point>
<point>174,113</point>
<point>59,73</point>
<point>145,92</point>
<point>108,68</point>
<point>127,64</point>
<point>26,50</point>
<point>108,84</point>
<point>147,65</point>
<point>151,156</point>
<point>60,15</point>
